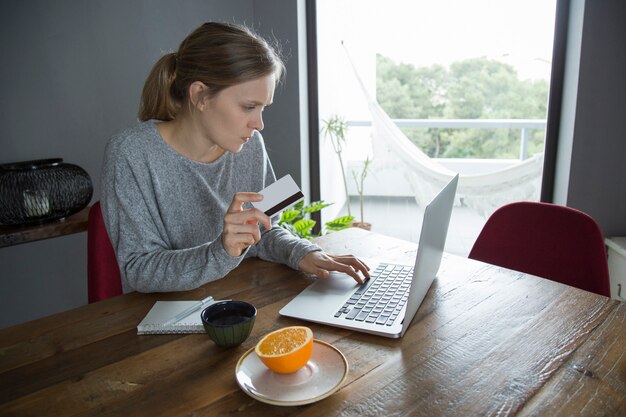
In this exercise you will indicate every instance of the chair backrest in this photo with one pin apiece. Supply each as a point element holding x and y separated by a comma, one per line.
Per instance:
<point>548,240</point>
<point>103,272</point>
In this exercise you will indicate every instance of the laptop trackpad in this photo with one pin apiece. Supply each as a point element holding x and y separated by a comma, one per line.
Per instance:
<point>320,300</point>
<point>336,283</point>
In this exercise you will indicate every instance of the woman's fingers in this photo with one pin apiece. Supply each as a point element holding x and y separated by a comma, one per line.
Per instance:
<point>353,261</point>
<point>241,226</point>
<point>235,243</point>
<point>321,264</point>
<point>350,265</point>
<point>241,215</point>
<point>239,198</point>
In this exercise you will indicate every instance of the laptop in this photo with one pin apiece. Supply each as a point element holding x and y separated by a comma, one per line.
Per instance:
<point>386,304</point>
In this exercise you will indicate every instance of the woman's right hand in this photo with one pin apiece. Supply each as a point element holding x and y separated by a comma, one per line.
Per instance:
<point>241,226</point>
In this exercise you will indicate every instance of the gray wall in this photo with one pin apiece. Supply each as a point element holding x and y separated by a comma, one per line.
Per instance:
<point>277,19</point>
<point>71,76</point>
<point>597,179</point>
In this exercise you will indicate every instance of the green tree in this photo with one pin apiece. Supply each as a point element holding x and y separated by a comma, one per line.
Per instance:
<point>476,88</point>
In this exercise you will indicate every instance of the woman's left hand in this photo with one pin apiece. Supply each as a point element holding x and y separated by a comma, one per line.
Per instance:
<point>320,264</point>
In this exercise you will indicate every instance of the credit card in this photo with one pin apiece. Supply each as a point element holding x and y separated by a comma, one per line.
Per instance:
<point>279,195</point>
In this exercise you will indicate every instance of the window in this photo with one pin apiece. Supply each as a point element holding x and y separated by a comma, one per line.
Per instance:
<point>466,81</point>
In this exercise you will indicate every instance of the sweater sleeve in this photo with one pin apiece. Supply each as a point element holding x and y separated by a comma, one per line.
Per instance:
<point>277,244</point>
<point>140,239</point>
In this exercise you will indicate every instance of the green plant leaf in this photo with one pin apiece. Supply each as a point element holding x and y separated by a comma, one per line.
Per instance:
<point>340,223</point>
<point>316,206</point>
<point>303,227</point>
<point>295,220</point>
<point>289,216</point>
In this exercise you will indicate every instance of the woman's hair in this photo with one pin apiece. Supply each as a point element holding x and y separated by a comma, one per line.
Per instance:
<point>219,55</point>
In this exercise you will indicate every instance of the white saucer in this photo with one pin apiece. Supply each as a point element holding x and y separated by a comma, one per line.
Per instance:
<point>320,377</point>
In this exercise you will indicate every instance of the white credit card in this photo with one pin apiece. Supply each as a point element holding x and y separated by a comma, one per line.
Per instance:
<point>279,195</point>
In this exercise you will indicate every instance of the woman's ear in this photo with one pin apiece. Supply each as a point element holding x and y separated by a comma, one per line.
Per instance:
<point>197,94</point>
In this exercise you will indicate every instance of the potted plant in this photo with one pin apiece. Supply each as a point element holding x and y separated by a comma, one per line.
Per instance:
<point>359,187</point>
<point>297,221</point>
<point>335,129</point>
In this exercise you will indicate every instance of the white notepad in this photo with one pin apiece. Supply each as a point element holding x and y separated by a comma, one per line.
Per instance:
<point>162,311</point>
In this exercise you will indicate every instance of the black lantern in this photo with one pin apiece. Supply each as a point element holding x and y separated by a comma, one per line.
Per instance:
<point>43,190</point>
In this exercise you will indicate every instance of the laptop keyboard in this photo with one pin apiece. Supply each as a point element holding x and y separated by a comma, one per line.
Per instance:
<point>381,299</point>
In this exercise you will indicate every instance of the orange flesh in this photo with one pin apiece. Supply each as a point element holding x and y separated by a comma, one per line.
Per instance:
<point>286,350</point>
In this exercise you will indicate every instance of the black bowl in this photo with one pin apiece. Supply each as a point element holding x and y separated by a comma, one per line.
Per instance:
<point>228,323</point>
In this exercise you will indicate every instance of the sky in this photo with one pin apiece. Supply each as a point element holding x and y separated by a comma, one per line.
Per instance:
<point>424,32</point>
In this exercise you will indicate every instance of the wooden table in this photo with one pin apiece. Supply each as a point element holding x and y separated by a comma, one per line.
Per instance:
<point>15,235</point>
<point>487,341</point>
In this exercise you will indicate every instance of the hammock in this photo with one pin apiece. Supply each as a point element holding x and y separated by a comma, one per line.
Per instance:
<point>482,192</point>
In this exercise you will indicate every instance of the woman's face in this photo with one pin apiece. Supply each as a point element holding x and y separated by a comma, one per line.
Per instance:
<point>230,117</point>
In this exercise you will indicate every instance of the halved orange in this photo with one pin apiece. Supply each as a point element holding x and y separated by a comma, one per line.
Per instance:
<point>286,350</point>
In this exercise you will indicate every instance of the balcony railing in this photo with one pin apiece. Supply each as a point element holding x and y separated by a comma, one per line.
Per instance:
<point>390,182</point>
<point>525,126</point>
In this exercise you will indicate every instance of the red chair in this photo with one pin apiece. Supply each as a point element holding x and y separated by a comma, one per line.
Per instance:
<point>103,272</point>
<point>547,240</point>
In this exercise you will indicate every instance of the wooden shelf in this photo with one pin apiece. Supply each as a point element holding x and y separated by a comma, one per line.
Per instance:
<point>15,235</point>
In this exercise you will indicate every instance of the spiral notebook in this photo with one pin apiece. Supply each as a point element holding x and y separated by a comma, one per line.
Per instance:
<point>162,311</point>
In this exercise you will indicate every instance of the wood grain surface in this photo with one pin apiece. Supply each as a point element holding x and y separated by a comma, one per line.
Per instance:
<point>487,341</point>
<point>15,235</point>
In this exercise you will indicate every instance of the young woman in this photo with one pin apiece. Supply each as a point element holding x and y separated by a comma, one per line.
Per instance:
<point>177,187</point>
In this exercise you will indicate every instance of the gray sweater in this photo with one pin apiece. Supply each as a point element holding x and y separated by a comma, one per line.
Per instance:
<point>165,213</point>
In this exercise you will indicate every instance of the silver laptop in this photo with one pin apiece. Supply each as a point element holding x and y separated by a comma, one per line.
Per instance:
<point>386,304</point>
